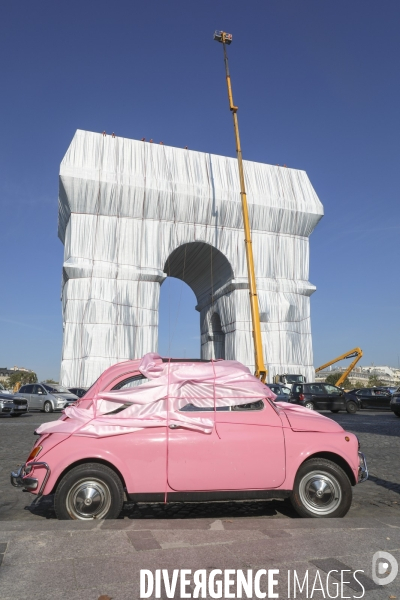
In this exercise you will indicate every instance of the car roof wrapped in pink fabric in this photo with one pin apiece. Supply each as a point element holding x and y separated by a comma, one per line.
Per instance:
<point>157,402</point>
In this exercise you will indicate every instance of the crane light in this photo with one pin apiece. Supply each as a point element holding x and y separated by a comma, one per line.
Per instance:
<point>224,38</point>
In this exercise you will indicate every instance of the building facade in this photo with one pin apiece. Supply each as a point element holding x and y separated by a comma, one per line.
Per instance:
<point>132,213</point>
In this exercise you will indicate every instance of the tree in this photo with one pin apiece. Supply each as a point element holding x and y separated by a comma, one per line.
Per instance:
<point>374,381</point>
<point>334,377</point>
<point>50,381</point>
<point>359,385</point>
<point>21,377</point>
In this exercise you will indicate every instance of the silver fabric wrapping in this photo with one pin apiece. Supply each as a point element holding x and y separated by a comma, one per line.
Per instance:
<point>131,213</point>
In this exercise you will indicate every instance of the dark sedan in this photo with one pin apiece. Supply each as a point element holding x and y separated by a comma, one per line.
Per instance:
<point>323,396</point>
<point>376,398</point>
<point>13,406</point>
<point>395,403</point>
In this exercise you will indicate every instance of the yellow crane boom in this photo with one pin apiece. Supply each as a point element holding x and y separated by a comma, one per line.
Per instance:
<point>261,371</point>
<point>356,352</point>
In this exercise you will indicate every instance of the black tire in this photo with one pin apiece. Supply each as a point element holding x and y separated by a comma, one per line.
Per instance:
<point>397,414</point>
<point>310,405</point>
<point>48,407</point>
<point>16,415</point>
<point>351,407</point>
<point>313,477</point>
<point>334,411</point>
<point>90,481</point>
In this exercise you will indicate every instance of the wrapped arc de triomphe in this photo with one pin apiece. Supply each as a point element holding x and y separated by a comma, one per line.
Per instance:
<point>131,213</point>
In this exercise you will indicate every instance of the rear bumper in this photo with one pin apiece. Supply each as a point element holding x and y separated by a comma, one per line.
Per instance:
<point>20,478</point>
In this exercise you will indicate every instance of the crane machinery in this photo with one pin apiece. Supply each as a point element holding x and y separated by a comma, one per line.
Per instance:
<point>355,353</point>
<point>261,371</point>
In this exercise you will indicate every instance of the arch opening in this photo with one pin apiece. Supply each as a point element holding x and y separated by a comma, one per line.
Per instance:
<point>202,266</point>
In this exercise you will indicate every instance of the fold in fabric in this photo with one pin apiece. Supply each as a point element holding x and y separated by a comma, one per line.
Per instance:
<point>158,402</point>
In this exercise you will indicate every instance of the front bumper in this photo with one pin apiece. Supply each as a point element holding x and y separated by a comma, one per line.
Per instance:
<point>13,409</point>
<point>362,468</point>
<point>20,477</point>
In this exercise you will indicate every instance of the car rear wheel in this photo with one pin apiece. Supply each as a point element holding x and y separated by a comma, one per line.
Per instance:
<point>351,407</point>
<point>310,405</point>
<point>321,489</point>
<point>48,407</point>
<point>397,414</point>
<point>89,491</point>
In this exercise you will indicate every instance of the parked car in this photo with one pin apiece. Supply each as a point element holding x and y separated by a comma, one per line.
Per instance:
<point>46,397</point>
<point>395,403</point>
<point>78,391</point>
<point>12,405</point>
<point>253,448</point>
<point>378,397</point>
<point>282,392</point>
<point>323,396</point>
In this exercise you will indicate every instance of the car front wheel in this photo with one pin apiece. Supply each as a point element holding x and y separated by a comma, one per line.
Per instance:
<point>310,405</point>
<point>321,489</point>
<point>351,407</point>
<point>89,491</point>
<point>48,407</point>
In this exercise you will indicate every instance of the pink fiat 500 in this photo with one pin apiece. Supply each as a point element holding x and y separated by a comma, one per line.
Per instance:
<point>156,430</point>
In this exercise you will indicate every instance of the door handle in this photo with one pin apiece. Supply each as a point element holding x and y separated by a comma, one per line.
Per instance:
<point>173,426</point>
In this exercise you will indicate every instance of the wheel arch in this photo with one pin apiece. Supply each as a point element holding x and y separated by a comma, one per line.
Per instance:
<point>338,460</point>
<point>77,463</point>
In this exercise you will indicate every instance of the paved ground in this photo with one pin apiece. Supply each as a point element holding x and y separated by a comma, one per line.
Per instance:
<point>46,559</point>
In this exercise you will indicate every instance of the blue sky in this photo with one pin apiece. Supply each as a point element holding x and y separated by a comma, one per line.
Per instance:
<point>318,89</point>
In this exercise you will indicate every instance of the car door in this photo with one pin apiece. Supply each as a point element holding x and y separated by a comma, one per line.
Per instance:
<point>244,451</point>
<point>381,398</point>
<point>318,395</point>
<point>25,392</point>
<point>365,396</point>
<point>335,397</point>
<point>36,399</point>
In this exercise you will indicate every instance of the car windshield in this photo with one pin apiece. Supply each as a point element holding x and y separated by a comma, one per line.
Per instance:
<point>59,389</point>
<point>294,378</point>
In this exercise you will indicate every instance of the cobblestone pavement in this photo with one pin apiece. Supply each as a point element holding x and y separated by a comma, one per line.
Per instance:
<point>379,433</point>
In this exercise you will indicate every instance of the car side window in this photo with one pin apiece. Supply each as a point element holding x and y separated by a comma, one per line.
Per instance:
<point>130,382</point>
<point>333,390</point>
<point>28,389</point>
<point>363,393</point>
<point>258,405</point>
<point>315,388</point>
<point>23,389</point>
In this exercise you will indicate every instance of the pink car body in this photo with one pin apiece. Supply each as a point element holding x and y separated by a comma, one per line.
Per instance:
<point>248,454</point>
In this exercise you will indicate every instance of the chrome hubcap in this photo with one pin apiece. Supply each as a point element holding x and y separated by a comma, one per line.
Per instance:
<point>310,406</point>
<point>320,493</point>
<point>88,499</point>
